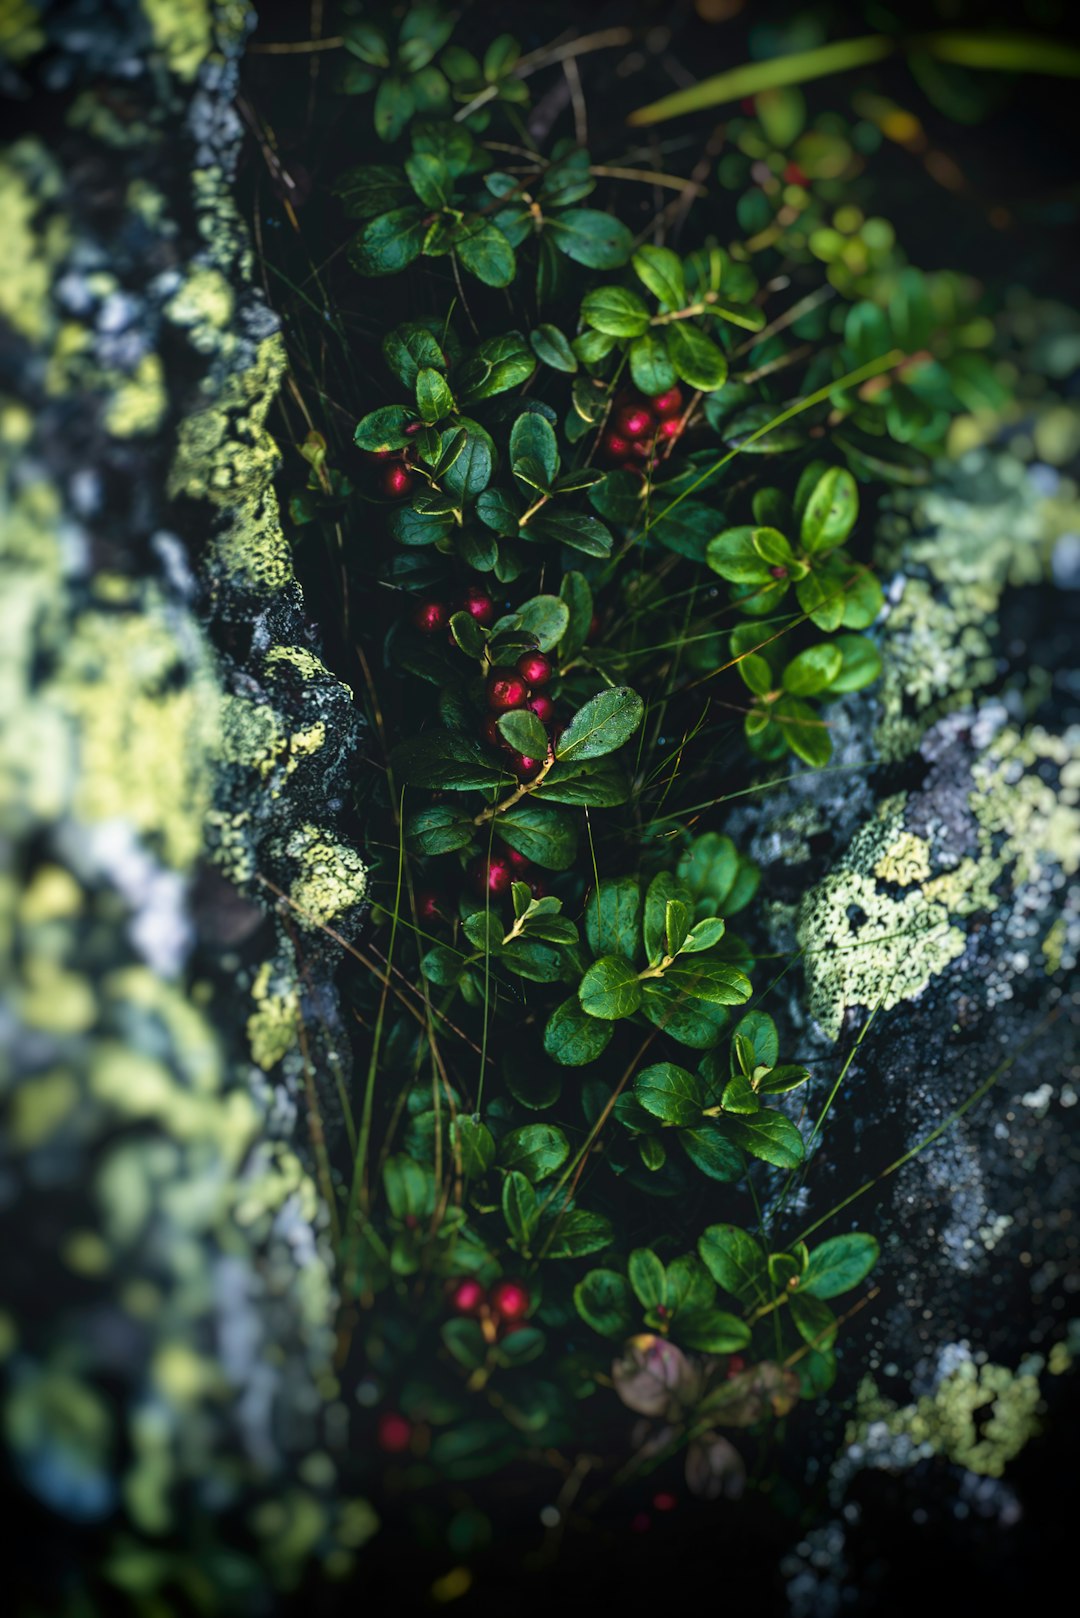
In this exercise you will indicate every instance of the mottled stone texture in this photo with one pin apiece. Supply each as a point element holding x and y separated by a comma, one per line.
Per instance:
<point>929,884</point>
<point>168,737</point>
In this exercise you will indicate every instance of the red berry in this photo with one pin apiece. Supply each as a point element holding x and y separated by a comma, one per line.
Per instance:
<point>518,861</point>
<point>629,466</point>
<point>594,626</point>
<point>665,1502</point>
<point>479,605</point>
<point>542,706</point>
<point>430,616</point>
<point>468,1297</point>
<point>639,1524</point>
<point>640,449</point>
<point>414,427</point>
<point>615,446</point>
<point>736,1365</point>
<point>668,403</point>
<point>394,1433</point>
<point>427,905</point>
<point>492,876</point>
<point>748,105</point>
<point>492,734</point>
<point>505,690</point>
<point>510,1300</point>
<point>778,572</point>
<point>794,175</point>
<point>635,421</point>
<point>671,428</point>
<point>534,668</point>
<point>524,766</point>
<point>396,482</point>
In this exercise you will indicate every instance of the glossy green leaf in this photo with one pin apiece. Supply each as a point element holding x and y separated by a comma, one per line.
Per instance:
<point>572,1038</point>
<point>661,271</point>
<point>605,1302</point>
<point>603,724</point>
<point>696,359</point>
<point>617,311</point>
<point>612,913</point>
<point>552,348</point>
<point>736,1262</point>
<point>610,989</point>
<point>839,1264</point>
<point>670,1093</point>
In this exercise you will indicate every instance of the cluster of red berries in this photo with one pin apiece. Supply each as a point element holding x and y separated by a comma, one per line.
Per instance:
<point>641,427</point>
<point>431,615</point>
<point>396,478</point>
<point>502,1309</point>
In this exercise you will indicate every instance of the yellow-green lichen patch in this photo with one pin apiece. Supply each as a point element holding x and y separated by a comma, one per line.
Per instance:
<point>30,247</point>
<point>21,34</point>
<point>251,736</point>
<point>182,32</point>
<point>979,1417</point>
<point>138,403</point>
<point>146,727</point>
<point>332,879</point>
<point>272,1026</point>
<point>224,453</point>
<point>866,946</point>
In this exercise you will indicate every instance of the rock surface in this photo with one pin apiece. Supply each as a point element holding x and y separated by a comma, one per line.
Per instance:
<point>169,738</point>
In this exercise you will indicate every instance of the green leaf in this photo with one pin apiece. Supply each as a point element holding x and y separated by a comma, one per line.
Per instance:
<point>604,1301</point>
<point>677,918</point>
<point>474,1141</point>
<point>374,188</point>
<point>450,142</point>
<point>712,981</point>
<point>501,58</point>
<point>839,1264</point>
<point>740,1096</point>
<point>484,251</point>
<point>520,1207</point>
<point>410,348</point>
<point>409,1186</point>
<point>603,724</point>
<point>774,549</point>
<point>863,596</point>
<point>756,673</point>
<point>822,600</point>
<point>867,332</point>
<point>661,890</point>
<point>465,1341</point>
<point>831,511</point>
<point>394,106</point>
<point>646,1274</point>
<point>813,1320</point>
<point>574,1039</point>
<point>546,617</point>
<point>816,1372</point>
<point>691,1022</point>
<point>433,397</point>
<point>611,917</point>
<point>597,240</point>
<point>813,671</point>
<point>446,759</point>
<point>367,42</point>
<point>440,830</point>
<point>768,1135</point>
<point>533,437</point>
<point>388,243</point>
<point>536,1150</point>
<point>661,271</point>
<point>579,1233</point>
<point>860,663</point>
<point>384,429</point>
<point>782,1079</point>
<point>498,364</point>
<point>711,1153</point>
<point>804,732</point>
<point>616,311</point>
<point>443,966</point>
<point>472,467</point>
<point>544,834</point>
<point>670,1093</point>
<point>497,510</point>
<point>552,348</point>
<point>759,1031</point>
<point>524,732</point>
<point>735,557</point>
<point>610,989</point>
<point>430,179</point>
<point>696,358</point>
<point>468,634</point>
<point>736,1262</point>
<point>591,783</point>
<point>711,1331</point>
<point>591,347</point>
<point>688,1285</point>
<point>650,365</point>
<point>704,935</point>
<point>572,528</point>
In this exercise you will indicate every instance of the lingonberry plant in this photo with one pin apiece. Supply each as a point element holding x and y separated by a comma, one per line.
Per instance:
<point>599,543</point>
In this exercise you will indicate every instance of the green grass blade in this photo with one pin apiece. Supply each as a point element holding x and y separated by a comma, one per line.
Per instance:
<point>753,77</point>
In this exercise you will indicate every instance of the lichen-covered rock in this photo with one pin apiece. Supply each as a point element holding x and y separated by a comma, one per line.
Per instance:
<point>927,887</point>
<point>166,1335</point>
